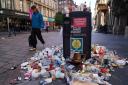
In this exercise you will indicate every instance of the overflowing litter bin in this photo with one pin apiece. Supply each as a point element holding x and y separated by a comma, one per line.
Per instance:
<point>77,34</point>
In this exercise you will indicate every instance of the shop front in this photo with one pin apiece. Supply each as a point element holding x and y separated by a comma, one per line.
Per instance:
<point>45,20</point>
<point>20,20</point>
<point>51,22</point>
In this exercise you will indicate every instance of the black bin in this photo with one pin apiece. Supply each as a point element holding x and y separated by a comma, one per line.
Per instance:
<point>77,33</point>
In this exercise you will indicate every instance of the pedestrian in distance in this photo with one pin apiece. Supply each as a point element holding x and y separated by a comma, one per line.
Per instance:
<point>37,25</point>
<point>47,27</point>
<point>12,29</point>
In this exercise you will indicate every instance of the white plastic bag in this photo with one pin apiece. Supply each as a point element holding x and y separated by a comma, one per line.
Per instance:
<point>61,31</point>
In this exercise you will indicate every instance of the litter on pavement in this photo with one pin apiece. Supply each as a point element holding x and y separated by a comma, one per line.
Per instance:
<point>49,65</point>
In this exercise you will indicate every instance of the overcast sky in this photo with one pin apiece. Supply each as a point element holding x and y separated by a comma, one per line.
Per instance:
<point>89,2</point>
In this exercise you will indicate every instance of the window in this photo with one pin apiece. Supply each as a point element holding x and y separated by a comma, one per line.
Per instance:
<point>2,3</point>
<point>21,5</point>
<point>44,11</point>
<point>47,2</point>
<point>52,3</point>
<point>43,1</point>
<point>39,8</point>
<point>47,12</point>
<point>12,4</point>
<point>8,4</point>
<point>51,13</point>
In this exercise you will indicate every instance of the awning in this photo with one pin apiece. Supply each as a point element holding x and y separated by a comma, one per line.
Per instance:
<point>51,19</point>
<point>13,13</point>
<point>45,18</point>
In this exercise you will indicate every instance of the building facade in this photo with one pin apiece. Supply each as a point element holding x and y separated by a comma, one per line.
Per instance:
<point>66,4</point>
<point>118,16</point>
<point>13,11</point>
<point>114,14</point>
<point>83,7</point>
<point>48,8</point>
<point>18,11</point>
<point>101,13</point>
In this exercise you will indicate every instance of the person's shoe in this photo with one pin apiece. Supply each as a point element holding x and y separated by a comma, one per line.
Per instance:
<point>32,49</point>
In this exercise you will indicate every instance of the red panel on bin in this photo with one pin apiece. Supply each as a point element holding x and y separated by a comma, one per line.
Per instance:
<point>79,22</point>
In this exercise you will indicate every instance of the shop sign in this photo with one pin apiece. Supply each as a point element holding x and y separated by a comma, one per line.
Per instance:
<point>22,14</point>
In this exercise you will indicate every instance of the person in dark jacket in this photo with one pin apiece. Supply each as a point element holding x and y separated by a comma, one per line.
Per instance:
<point>37,24</point>
<point>12,28</point>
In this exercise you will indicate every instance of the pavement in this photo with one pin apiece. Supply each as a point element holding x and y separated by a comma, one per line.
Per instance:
<point>14,50</point>
<point>120,44</point>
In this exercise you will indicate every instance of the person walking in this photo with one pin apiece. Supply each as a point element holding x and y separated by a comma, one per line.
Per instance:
<point>37,24</point>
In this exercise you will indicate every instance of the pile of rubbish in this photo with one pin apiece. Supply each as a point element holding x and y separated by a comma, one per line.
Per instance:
<point>49,65</point>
